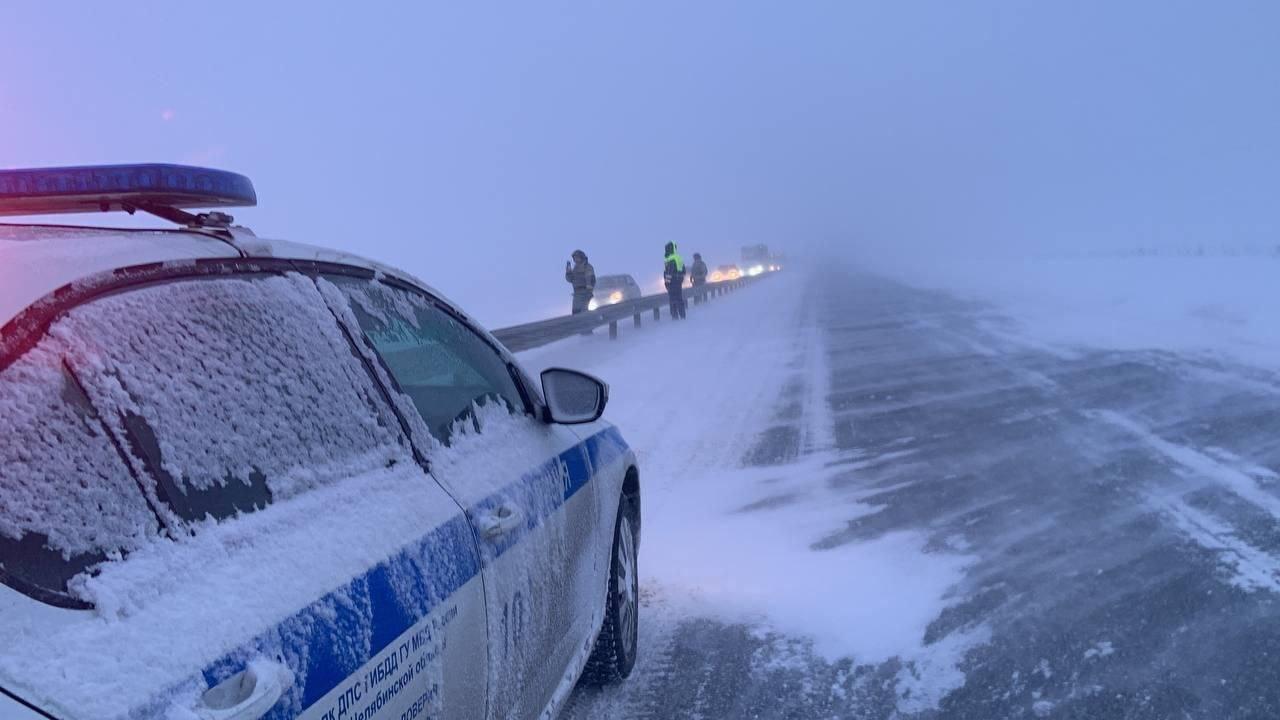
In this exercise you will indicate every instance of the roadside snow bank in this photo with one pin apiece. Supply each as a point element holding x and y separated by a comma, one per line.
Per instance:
<point>870,600</point>
<point>690,395</point>
<point>1182,304</point>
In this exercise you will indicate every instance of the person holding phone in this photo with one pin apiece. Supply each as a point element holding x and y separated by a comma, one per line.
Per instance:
<point>582,277</point>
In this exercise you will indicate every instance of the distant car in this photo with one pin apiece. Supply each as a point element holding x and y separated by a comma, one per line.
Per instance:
<point>725,272</point>
<point>613,289</point>
<point>246,479</point>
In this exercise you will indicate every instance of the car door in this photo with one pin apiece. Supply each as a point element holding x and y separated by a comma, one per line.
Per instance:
<point>293,560</point>
<point>525,485</point>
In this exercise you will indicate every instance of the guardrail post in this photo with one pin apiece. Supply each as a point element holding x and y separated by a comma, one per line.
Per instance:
<point>613,329</point>
<point>636,320</point>
<point>657,313</point>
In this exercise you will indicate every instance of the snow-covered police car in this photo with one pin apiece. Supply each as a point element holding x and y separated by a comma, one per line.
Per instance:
<point>248,479</point>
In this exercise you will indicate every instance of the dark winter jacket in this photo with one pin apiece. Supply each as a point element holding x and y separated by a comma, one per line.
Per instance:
<point>698,272</point>
<point>583,278</point>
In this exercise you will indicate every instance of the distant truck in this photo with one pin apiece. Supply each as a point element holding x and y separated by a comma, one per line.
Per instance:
<point>756,259</point>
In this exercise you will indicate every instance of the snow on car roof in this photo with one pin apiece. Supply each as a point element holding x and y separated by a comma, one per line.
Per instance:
<point>36,260</point>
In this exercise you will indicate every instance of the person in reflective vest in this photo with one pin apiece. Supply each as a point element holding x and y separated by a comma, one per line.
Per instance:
<point>673,276</point>
<point>698,271</point>
<point>583,279</point>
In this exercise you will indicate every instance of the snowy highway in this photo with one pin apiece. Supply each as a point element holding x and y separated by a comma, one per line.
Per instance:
<point>864,500</point>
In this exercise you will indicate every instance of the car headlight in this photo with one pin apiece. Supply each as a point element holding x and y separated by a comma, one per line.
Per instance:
<point>755,270</point>
<point>616,297</point>
<point>593,305</point>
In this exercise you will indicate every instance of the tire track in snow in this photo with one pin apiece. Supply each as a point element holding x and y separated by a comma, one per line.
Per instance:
<point>1252,567</point>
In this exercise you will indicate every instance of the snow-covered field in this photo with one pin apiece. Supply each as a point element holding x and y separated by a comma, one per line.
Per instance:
<point>692,399</point>
<point>1181,303</point>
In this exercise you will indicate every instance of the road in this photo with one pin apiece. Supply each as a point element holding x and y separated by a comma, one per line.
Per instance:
<point>1117,512</point>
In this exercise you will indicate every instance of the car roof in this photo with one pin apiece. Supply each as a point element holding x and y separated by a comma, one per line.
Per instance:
<point>36,260</point>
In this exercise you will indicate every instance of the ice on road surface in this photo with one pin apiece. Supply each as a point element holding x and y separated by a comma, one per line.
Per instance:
<point>864,499</point>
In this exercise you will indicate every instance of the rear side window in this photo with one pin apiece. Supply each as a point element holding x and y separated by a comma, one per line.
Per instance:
<point>159,407</point>
<point>231,393</point>
<point>67,498</point>
<point>442,365</point>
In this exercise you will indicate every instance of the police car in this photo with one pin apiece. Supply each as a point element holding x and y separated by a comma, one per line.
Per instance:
<point>246,479</point>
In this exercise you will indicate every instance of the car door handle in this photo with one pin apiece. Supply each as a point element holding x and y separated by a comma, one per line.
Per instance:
<point>504,518</point>
<point>247,695</point>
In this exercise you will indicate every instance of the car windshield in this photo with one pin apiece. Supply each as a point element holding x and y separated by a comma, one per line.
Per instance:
<point>612,281</point>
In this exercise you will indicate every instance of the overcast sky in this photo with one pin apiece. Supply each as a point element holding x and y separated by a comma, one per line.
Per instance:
<point>478,144</point>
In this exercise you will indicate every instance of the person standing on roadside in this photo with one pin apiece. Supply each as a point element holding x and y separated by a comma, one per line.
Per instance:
<point>673,276</point>
<point>698,271</point>
<point>582,277</point>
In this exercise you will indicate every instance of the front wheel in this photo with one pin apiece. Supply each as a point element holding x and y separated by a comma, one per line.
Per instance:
<point>615,652</point>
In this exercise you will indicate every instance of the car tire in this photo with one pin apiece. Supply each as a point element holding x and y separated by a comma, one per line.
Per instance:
<point>614,654</point>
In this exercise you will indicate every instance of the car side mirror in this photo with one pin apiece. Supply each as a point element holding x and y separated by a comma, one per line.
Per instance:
<point>573,397</point>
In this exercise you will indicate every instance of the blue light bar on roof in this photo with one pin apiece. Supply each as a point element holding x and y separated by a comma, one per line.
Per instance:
<point>51,191</point>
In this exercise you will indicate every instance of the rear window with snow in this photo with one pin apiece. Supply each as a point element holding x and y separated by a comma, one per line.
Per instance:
<point>231,392</point>
<point>444,367</point>
<point>173,404</point>
<point>67,498</point>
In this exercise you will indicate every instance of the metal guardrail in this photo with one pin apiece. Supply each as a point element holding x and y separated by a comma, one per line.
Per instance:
<point>542,332</point>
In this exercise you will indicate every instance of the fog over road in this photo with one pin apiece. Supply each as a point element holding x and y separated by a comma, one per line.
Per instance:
<point>1115,517</point>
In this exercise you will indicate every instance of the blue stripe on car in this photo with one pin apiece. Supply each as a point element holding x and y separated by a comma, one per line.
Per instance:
<point>538,494</point>
<point>604,448</point>
<point>335,636</point>
<point>338,634</point>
